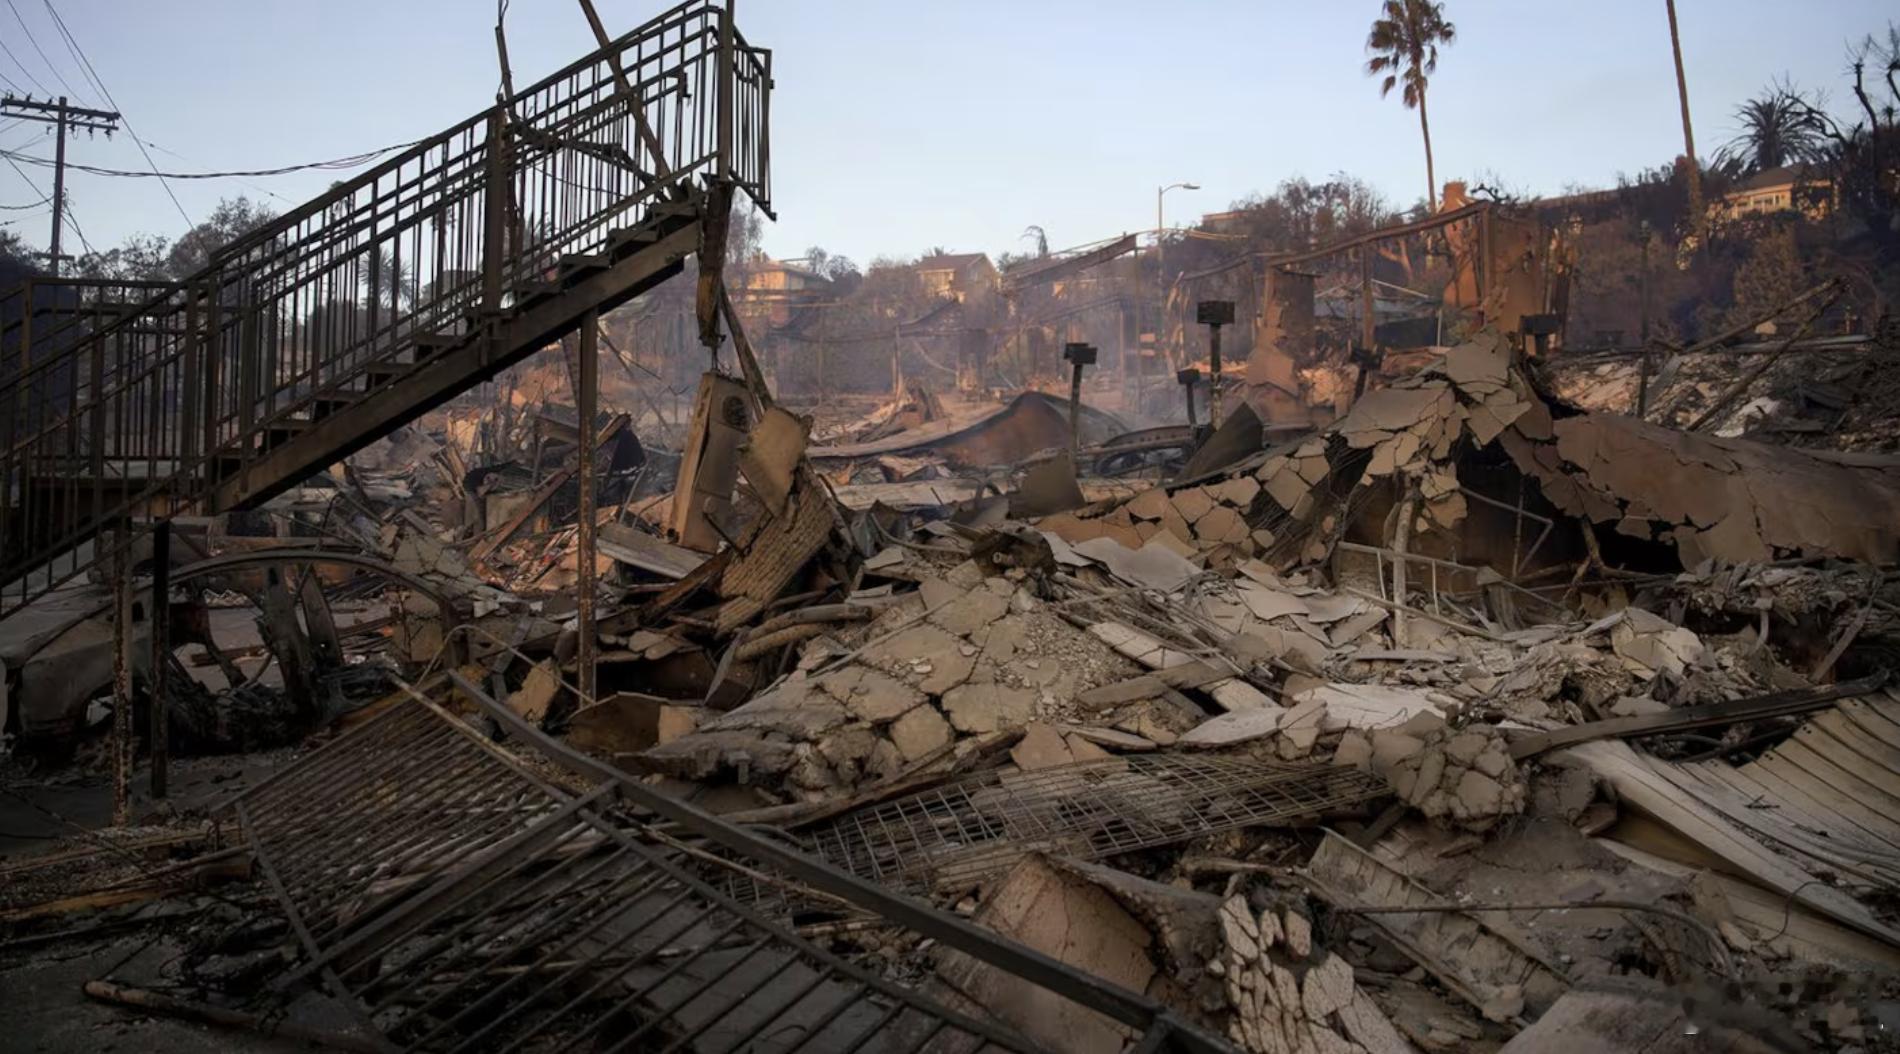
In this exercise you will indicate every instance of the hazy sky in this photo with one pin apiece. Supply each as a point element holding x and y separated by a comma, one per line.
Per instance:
<point>909,123</point>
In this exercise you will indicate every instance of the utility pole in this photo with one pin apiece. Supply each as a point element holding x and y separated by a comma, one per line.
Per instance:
<point>1161,277</point>
<point>61,116</point>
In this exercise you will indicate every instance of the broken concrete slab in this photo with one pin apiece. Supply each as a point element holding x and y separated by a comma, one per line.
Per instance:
<point>1230,729</point>
<point>919,732</point>
<point>1041,747</point>
<point>976,609</point>
<point>1367,706</point>
<point>1070,920</point>
<point>976,708</point>
<point>1121,742</point>
<point>924,655</point>
<point>1153,566</point>
<point>871,695</point>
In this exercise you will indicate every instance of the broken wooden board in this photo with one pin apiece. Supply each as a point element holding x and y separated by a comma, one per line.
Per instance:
<point>770,455</point>
<point>710,465</point>
<point>773,551</point>
<point>639,549</point>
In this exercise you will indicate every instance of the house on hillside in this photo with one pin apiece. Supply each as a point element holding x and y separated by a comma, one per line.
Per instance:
<point>1788,188</point>
<point>777,289</point>
<point>957,276</point>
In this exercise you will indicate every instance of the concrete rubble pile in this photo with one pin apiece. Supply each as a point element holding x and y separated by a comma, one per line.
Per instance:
<point>1487,693</point>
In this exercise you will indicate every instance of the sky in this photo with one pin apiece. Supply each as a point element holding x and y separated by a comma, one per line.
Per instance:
<point>906,124</point>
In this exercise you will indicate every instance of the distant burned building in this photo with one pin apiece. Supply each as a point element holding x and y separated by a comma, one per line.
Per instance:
<point>957,276</point>
<point>776,289</point>
<point>1787,188</point>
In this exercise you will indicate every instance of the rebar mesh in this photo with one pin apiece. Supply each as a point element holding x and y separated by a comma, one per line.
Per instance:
<point>954,835</point>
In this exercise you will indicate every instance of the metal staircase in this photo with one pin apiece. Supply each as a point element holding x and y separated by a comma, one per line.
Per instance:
<point>328,328</point>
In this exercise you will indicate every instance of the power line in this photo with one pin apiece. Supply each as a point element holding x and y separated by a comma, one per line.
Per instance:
<point>66,212</point>
<point>36,47</point>
<point>67,215</point>
<point>27,72</point>
<point>352,161</point>
<point>259,187</point>
<point>92,74</point>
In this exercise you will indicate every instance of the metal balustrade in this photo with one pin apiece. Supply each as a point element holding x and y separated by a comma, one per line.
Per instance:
<point>336,323</point>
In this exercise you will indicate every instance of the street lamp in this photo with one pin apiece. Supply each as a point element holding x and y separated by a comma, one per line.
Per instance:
<point>1161,275</point>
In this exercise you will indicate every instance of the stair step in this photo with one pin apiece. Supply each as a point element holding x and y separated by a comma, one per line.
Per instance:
<point>584,262</point>
<point>673,208</point>
<point>634,236</point>
<point>536,289</point>
<point>325,405</point>
<point>437,340</point>
<point>383,371</point>
<point>277,433</point>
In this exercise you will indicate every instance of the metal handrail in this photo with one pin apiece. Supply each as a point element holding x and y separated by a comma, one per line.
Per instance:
<point>143,413</point>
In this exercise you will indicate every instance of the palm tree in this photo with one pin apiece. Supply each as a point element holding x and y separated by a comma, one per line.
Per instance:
<point>1779,127</point>
<point>1696,212</point>
<point>1404,45</point>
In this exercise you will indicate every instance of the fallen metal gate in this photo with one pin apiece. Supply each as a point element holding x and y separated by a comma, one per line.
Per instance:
<point>458,896</point>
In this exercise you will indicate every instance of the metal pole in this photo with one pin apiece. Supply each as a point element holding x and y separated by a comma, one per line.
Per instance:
<point>588,396</point>
<point>1213,387</point>
<point>1188,378</point>
<point>1079,356</point>
<point>122,676</point>
<point>1367,332</point>
<point>1213,314</point>
<point>59,182</point>
<point>160,621</point>
<point>727,46</point>
<point>494,211</point>
<point>1161,281</point>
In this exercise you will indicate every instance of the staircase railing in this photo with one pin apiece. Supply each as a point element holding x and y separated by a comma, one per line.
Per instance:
<point>134,417</point>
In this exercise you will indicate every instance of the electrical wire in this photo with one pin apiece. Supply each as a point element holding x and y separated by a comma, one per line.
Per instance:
<point>66,217</point>
<point>30,39</point>
<point>259,187</point>
<point>352,161</point>
<point>8,52</point>
<point>23,70</point>
<point>92,75</point>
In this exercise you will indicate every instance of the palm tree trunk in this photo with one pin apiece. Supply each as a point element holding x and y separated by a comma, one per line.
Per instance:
<point>1696,212</point>
<point>1431,177</point>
